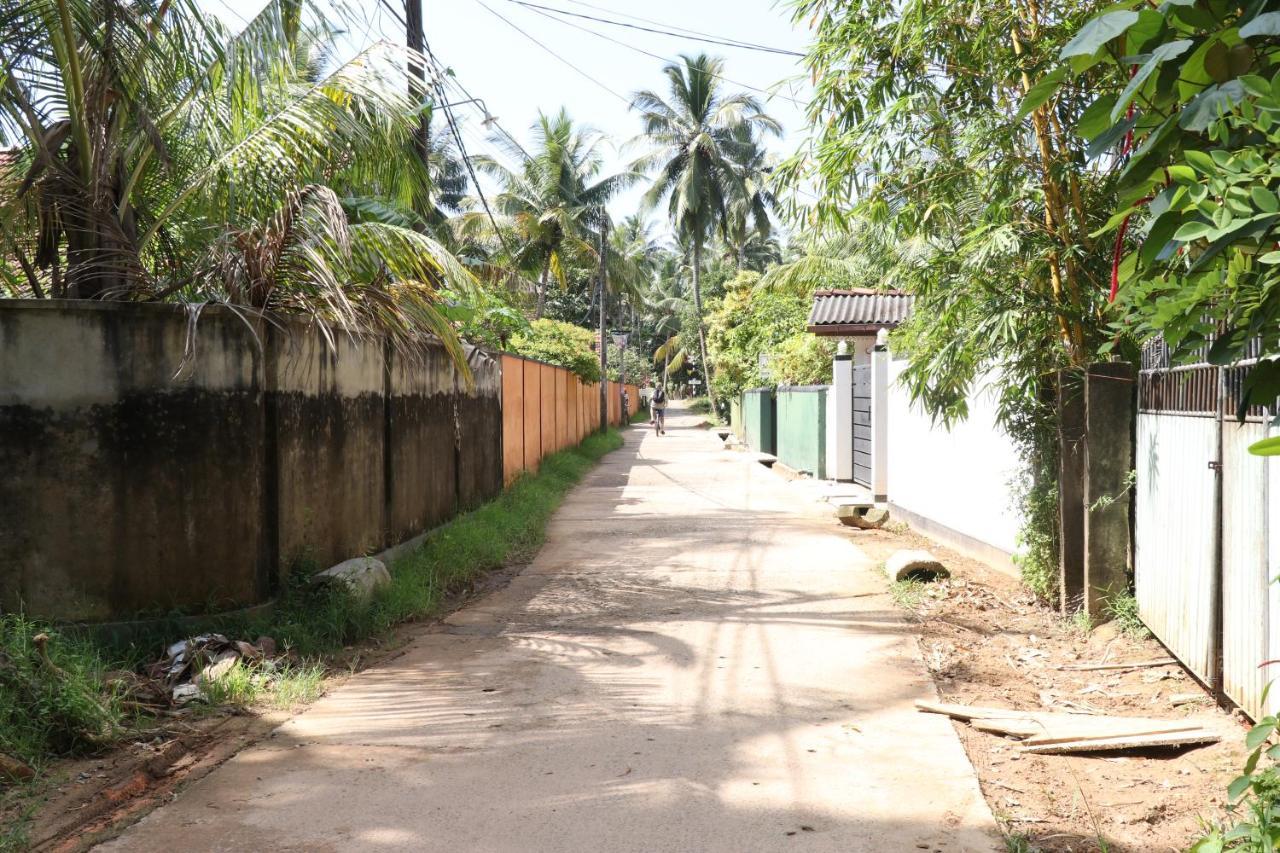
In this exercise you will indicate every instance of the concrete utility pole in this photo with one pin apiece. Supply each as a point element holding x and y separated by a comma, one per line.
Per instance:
<point>416,40</point>
<point>604,334</point>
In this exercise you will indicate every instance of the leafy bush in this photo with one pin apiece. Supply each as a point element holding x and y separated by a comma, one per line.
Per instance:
<point>639,369</point>
<point>562,344</point>
<point>802,359</point>
<point>1255,800</point>
<point>752,321</point>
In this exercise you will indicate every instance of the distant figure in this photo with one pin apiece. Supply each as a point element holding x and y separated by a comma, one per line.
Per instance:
<point>659,406</point>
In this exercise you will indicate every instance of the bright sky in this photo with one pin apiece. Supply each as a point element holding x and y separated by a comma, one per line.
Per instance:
<point>516,77</point>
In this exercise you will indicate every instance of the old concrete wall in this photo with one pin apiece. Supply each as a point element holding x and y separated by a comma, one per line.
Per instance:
<point>149,464</point>
<point>126,485</point>
<point>479,423</point>
<point>422,488</point>
<point>329,413</point>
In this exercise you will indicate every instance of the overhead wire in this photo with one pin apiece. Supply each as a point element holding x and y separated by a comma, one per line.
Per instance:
<point>659,57</point>
<point>675,27</point>
<point>689,35</point>
<point>553,53</point>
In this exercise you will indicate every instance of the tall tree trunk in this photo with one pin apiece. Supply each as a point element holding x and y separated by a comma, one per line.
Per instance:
<point>702,326</point>
<point>542,289</point>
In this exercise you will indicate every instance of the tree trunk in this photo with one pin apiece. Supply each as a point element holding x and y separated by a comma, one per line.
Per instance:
<point>542,290</point>
<point>702,330</point>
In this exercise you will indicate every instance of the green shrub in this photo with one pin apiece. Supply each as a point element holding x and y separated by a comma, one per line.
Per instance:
<point>562,344</point>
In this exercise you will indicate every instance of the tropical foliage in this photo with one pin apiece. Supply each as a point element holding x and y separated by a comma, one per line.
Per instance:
<point>161,157</point>
<point>562,344</point>
<point>704,147</point>
<point>1189,114</point>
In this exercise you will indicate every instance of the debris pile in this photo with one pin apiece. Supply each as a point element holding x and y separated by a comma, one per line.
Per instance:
<point>188,664</point>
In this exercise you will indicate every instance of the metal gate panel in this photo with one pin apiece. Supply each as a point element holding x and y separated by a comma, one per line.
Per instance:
<point>1246,567</point>
<point>1174,530</point>
<point>862,425</point>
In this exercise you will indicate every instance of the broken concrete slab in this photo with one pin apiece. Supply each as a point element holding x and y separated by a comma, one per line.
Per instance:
<point>915,566</point>
<point>362,575</point>
<point>864,516</point>
<point>850,511</point>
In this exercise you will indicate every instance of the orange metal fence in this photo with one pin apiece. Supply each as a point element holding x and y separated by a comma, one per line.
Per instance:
<point>547,408</point>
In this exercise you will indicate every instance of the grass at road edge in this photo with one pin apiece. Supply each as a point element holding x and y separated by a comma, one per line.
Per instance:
<point>43,718</point>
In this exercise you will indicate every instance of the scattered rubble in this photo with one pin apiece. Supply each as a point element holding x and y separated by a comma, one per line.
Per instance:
<point>176,678</point>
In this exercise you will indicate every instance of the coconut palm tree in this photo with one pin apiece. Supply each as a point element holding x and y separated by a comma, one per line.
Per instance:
<point>697,135</point>
<point>554,204</point>
<point>164,157</point>
<point>749,228</point>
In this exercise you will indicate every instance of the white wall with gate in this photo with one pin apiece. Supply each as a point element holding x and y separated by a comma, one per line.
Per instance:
<point>1204,507</point>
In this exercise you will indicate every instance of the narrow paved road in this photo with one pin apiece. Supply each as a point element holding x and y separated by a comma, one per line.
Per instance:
<point>695,662</point>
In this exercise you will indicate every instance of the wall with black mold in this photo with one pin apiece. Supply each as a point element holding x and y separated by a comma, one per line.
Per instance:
<point>156,461</point>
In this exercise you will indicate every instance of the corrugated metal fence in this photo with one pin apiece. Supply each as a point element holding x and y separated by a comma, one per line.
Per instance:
<point>1204,507</point>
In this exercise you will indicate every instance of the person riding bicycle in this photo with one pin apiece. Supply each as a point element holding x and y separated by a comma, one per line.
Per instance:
<point>658,404</point>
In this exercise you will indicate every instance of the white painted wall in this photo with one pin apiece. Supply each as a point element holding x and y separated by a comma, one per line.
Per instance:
<point>960,478</point>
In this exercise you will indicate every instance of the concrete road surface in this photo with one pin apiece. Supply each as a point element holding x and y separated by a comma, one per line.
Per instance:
<point>696,661</point>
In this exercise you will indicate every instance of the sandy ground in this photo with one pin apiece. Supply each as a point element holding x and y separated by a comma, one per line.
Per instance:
<point>695,661</point>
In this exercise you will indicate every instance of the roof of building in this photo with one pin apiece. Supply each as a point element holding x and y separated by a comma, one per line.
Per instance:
<point>857,312</point>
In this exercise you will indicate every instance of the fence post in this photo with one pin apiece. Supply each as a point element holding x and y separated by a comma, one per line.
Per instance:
<point>841,426</point>
<point>1071,502</point>
<point>880,418</point>
<point>1108,455</point>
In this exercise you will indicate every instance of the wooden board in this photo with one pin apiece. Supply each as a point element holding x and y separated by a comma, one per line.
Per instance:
<point>1111,744</point>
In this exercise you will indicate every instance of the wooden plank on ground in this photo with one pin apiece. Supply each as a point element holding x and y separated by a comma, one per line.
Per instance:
<point>1111,744</point>
<point>966,712</point>
<point>1137,664</point>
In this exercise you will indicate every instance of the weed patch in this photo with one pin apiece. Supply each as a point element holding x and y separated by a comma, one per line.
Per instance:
<point>1123,610</point>
<point>907,594</point>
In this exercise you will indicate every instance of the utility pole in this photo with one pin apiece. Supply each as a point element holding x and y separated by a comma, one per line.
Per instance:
<point>604,333</point>
<point>416,39</point>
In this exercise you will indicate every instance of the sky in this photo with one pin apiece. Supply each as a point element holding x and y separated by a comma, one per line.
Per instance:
<point>516,77</point>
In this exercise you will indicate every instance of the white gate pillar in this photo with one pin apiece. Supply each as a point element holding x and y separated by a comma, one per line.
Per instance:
<point>840,419</point>
<point>880,417</point>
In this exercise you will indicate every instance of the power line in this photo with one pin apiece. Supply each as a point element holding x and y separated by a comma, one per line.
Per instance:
<point>560,58</point>
<point>658,57</point>
<point>689,35</point>
<point>675,27</point>
<point>466,160</point>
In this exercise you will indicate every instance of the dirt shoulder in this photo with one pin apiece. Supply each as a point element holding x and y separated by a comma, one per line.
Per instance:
<point>987,641</point>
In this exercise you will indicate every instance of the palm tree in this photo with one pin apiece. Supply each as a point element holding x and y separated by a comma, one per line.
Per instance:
<point>749,228</point>
<point>554,204</point>
<point>163,157</point>
<point>697,137</point>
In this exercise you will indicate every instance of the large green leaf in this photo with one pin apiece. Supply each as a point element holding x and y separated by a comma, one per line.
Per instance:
<point>1042,91</point>
<point>1210,105</point>
<point>1098,32</point>
<point>1266,24</point>
<point>1160,55</point>
<point>1266,447</point>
